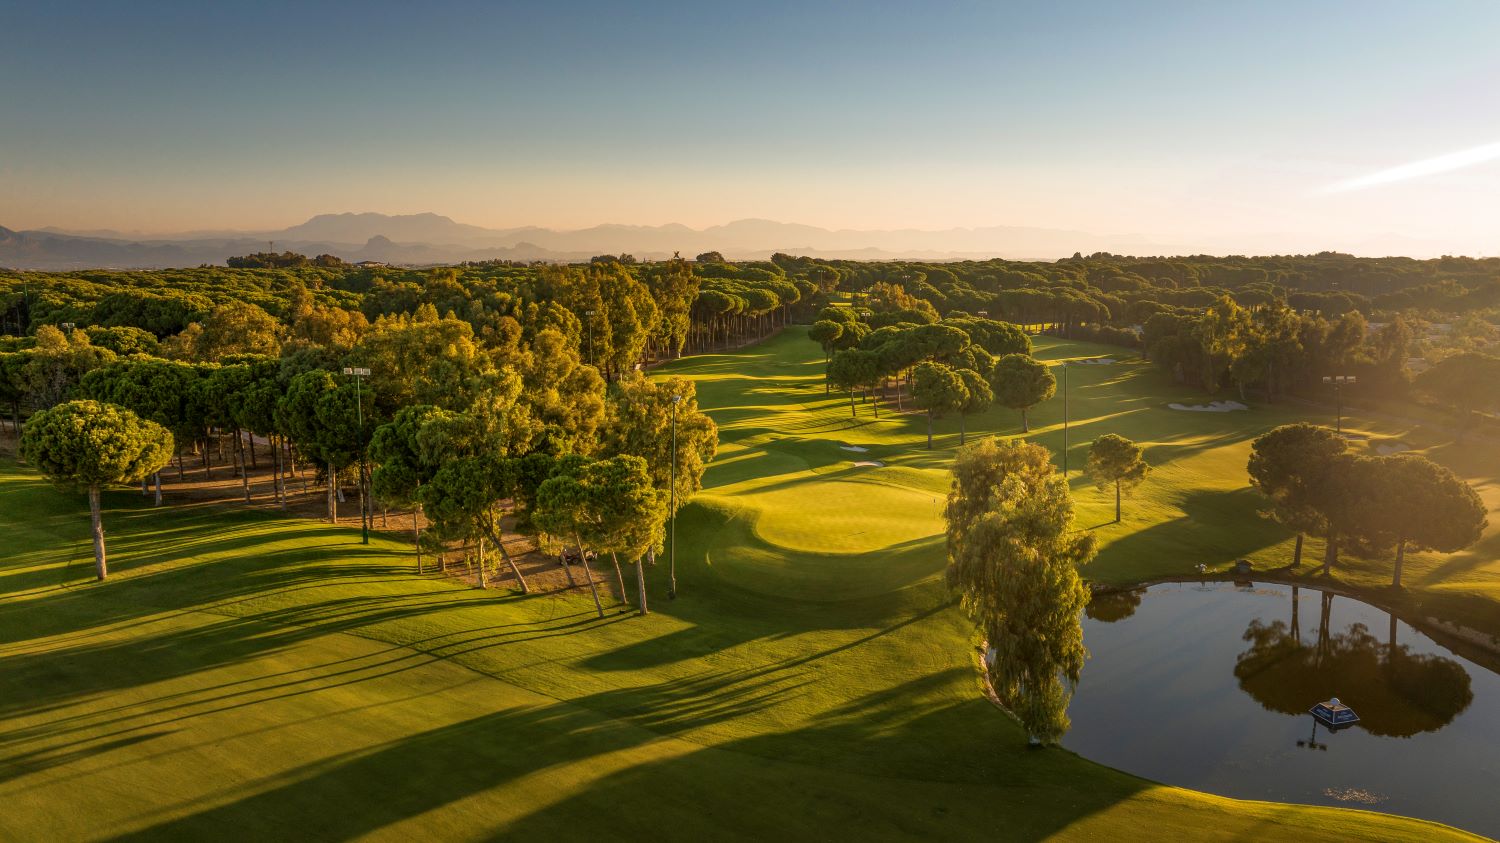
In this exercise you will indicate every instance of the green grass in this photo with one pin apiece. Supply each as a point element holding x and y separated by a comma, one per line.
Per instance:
<point>243,675</point>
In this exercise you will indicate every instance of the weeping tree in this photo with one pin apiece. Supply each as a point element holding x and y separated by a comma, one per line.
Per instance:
<point>1119,462</point>
<point>90,445</point>
<point>1013,554</point>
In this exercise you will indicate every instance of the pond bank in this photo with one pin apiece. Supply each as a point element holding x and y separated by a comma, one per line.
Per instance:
<point>1475,644</point>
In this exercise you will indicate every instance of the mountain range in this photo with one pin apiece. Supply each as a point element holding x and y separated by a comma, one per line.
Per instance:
<point>428,239</point>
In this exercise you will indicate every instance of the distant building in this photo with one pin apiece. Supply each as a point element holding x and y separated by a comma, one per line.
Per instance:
<point>370,264</point>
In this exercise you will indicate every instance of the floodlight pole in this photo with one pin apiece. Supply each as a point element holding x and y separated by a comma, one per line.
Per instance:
<point>1064,365</point>
<point>1338,382</point>
<point>359,409</point>
<point>672,490</point>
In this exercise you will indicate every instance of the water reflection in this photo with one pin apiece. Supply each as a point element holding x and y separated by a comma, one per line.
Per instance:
<point>1207,686</point>
<point>1112,606</point>
<point>1399,693</point>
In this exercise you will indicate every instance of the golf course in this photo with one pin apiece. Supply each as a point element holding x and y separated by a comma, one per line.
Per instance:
<point>814,679</point>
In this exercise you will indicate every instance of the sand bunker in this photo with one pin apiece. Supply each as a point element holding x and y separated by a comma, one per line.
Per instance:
<point>854,448</point>
<point>1212,407</point>
<point>869,464</point>
<point>1385,449</point>
<point>1097,361</point>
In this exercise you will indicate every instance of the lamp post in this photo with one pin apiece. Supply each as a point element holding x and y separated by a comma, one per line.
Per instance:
<point>364,516</point>
<point>672,510</point>
<point>1064,365</point>
<point>1338,382</point>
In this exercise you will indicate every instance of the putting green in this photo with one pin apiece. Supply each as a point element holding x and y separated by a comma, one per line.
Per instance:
<point>844,516</point>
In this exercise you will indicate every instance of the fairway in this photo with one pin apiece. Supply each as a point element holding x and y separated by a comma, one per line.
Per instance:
<point>243,675</point>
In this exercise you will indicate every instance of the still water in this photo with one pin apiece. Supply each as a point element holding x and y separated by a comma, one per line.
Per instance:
<point>1206,686</point>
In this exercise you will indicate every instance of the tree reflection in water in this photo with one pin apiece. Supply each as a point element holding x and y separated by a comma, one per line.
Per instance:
<point>1397,693</point>
<point>1112,606</point>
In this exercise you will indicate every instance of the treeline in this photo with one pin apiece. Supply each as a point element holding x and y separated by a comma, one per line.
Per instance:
<point>616,313</point>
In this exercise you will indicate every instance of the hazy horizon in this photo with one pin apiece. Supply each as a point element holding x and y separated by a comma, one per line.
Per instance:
<point>1341,126</point>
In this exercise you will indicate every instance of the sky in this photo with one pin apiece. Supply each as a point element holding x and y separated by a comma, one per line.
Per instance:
<point>1366,126</point>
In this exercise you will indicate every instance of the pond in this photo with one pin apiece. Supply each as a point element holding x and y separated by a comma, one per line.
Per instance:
<point>1207,686</point>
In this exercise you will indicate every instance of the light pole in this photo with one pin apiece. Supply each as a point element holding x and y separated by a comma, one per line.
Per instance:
<point>1064,365</point>
<point>1338,382</point>
<point>364,516</point>
<point>672,511</point>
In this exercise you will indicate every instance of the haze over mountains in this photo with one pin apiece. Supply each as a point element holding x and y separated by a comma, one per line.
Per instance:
<point>425,239</point>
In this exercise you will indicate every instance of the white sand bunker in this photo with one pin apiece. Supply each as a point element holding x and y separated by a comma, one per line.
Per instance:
<point>1097,361</point>
<point>1385,449</point>
<point>854,448</point>
<point>869,464</point>
<point>1212,407</point>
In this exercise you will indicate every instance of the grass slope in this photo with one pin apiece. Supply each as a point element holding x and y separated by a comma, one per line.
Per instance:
<point>249,676</point>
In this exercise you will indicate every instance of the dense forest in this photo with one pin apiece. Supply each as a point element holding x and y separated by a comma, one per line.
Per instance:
<point>495,388</point>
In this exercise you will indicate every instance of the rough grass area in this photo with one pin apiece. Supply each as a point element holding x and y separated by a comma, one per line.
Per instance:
<point>249,676</point>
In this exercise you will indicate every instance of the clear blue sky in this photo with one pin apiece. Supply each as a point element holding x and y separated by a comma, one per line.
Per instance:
<point>1184,121</point>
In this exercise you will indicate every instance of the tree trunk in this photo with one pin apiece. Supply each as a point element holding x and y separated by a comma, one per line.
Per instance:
<point>1400,560</point>
<point>620,578</point>
<point>853,408</point>
<point>962,423</point>
<point>145,487</point>
<point>1117,501</point>
<point>929,430</point>
<point>498,536</point>
<point>239,452</point>
<point>640,584</point>
<point>179,465</point>
<point>333,499</point>
<point>251,446</point>
<point>583,559</point>
<point>156,481</point>
<point>1297,553</point>
<point>1330,553</point>
<point>416,535</point>
<point>484,579</point>
<point>279,486</point>
<point>1025,423</point>
<point>562,559</point>
<point>96,523</point>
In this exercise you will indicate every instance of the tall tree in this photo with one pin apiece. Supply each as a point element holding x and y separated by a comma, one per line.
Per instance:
<point>469,494</point>
<point>1013,554</point>
<point>406,460</point>
<point>1021,382</point>
<point>977,398</point>
<point>1290,466</point>
<point>1115,460</point>
<point>937,390</point>
<point>89,444</point>
<point>640,422</point>
<point>1421,505</point>
<point>1466,382</point>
